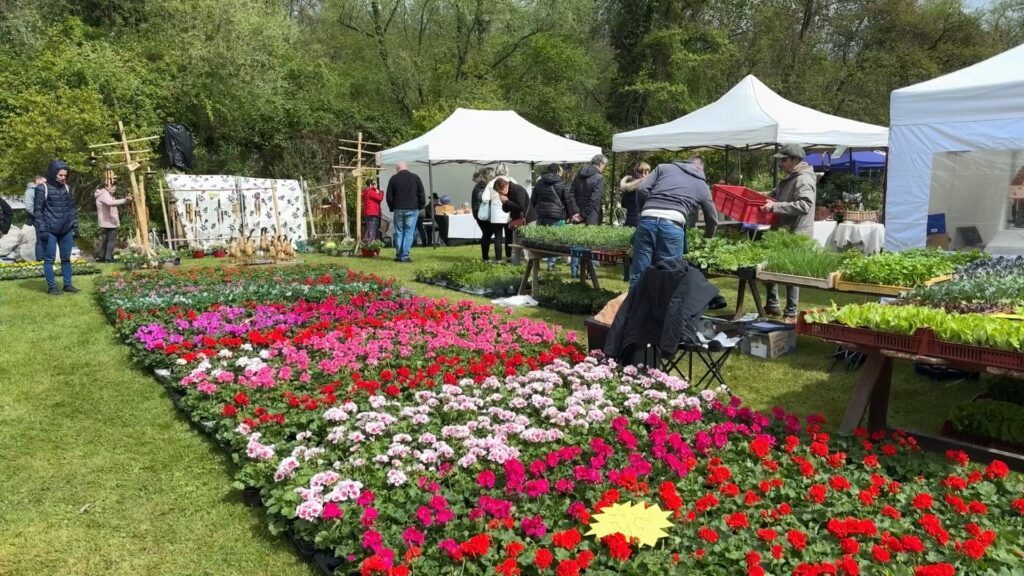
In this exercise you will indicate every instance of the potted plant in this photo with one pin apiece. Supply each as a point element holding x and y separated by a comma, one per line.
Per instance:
<point>219,250</point>
<point>183,252</point>
<point>132,259</point>
<point>167,257</point>
<point>198,252</point>
<point>370,248</point>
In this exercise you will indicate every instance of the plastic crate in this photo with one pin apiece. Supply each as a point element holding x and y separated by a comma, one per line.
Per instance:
<point>974,355</point>
<point>742,204</point>
<point>916,344</point>
<point>607,255</point>
<point>596,333</point>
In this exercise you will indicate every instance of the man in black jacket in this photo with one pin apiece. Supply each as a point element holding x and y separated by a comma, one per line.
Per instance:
<point>6,217</point>
<point>56,224</point>
<point>405,198</point>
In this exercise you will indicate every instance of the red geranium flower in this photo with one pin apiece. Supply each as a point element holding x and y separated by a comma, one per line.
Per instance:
<point>935,570</point>
<point>707,534</point>
<point>737,521</point>
<point>797,539</point>
<point>880,554</point>
<point>567,539</point>
<point>543,558</point>
<point>618,546</point>
<point>996,469</point>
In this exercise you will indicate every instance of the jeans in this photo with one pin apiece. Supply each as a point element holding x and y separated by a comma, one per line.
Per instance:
<point>792,299</point>
<point>108,239</point>
<point>371,227</point>
<point>40,249</point>
<point>405,230</point>
<point>65,242</point>
<point>656,239</point>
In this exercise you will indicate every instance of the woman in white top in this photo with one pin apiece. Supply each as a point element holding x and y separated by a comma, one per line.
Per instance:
<point>490,205</point>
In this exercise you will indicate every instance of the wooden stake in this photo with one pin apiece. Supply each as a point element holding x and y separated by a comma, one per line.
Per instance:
<point>344,205</point>
<point>163,208</point>
<point>309,209</point>
<point>359,188</point>
<point>141,232</point>
<point>277,215</point>
<point>123,141</point>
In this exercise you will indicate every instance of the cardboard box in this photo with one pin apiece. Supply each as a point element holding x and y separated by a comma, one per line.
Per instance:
<point>769,344</point>
<point>941,240</point>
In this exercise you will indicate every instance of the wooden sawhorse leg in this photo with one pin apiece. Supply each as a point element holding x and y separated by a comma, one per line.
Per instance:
<point>870,394</point>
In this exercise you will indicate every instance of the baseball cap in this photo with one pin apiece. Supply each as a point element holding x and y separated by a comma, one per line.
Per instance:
<point>791,151</point>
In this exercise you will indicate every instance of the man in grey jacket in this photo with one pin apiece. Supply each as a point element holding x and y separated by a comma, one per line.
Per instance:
<point>793,201</point>
<point>667,199</point>
<point>30,195</point>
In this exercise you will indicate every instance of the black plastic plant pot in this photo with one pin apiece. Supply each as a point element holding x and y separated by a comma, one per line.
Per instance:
<point>327,563</point>
<point>303,547</point>
<point>251,497</point>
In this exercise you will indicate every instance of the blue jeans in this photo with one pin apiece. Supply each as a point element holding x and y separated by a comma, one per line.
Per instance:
<point>65,242</point>
<point>792,299</point>
<point>371,227</point>
<point>405,231</point>
<point>656,239</point>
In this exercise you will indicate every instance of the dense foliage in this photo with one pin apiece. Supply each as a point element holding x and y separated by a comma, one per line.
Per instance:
<point>728,253</point>
<point>405,435</point>
<point>991,419</point>
<point>987,285</point>
<point>268,86</point>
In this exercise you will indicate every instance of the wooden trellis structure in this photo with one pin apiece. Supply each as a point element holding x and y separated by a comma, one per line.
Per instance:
<point>132,160</point>
<point>359,167</point>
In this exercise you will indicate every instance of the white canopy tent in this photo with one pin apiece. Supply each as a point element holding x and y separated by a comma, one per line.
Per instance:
<point>752,115</point>
<point>957,144</point>
<point>446,156</point>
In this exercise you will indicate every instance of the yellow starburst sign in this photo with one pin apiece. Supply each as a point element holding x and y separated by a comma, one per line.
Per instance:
<point>644,522</point>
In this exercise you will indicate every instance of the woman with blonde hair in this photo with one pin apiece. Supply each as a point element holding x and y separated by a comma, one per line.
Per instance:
<point>628,187</point>
<point>490,212</point>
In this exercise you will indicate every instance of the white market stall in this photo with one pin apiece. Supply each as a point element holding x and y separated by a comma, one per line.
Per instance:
<point>751,115</point>
<point>958,149</point>
<point>446,156</point>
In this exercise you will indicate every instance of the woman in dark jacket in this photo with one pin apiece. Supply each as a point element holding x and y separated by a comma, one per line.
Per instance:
<point>56,224</point>
<point>551,198</point>
<point>515,200</point>
<point>481,177</point>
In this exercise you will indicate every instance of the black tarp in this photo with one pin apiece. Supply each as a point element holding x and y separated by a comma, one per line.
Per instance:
<point>178,146</point>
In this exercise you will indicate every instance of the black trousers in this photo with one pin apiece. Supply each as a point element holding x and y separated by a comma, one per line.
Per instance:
<point>108,239</point>
<point>495,232</point>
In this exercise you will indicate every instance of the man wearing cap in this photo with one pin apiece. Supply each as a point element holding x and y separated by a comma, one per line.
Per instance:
<point>793,201</point>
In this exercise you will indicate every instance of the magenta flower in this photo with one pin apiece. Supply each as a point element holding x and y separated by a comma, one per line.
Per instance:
<point>534,526</point>
<point>485,479</point>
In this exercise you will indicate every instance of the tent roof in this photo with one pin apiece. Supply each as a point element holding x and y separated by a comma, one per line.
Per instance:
<point>992,89</point>
<point>487,136</point>
<point>751,114</point>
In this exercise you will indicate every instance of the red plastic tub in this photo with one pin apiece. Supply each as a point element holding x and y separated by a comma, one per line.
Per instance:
<point>741,204</point>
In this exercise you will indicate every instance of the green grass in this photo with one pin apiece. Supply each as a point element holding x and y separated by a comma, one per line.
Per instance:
<point>99,475</point>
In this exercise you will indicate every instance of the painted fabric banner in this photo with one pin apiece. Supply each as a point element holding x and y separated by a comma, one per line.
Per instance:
<point>217,209</point>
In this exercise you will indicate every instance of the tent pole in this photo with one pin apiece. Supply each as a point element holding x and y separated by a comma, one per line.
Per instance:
<point>611,208</point>
<point>430,204</point>
<point>775,169</point>
<point>885,186</point>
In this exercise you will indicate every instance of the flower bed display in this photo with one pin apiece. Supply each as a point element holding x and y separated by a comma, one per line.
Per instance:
<point>23,270</point>
<point>474,277</point>
<point>404,435</point>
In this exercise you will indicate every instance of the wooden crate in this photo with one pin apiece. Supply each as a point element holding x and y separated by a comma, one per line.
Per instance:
<point>861,216</point>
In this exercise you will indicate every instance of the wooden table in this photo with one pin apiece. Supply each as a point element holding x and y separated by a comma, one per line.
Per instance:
<point>534,257</point>
<point>872,391</point>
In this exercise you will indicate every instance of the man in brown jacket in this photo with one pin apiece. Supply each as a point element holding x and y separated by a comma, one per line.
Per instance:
<point>793,201</point>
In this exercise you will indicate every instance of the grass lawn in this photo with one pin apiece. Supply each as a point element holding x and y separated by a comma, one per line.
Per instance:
<point>101,476</point>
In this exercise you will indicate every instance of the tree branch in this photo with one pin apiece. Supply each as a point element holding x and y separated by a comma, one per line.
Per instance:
<point>515,46</point>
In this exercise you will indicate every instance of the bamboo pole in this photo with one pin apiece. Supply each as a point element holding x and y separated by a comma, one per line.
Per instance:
<point>309,209</point>
<point>163,208</point>
<point>359,188</point>
<point>364,142</point>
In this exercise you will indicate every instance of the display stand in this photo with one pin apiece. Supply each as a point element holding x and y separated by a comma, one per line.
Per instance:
<point>132,160</point>
<point>872,390</point>
<point>534,257</point>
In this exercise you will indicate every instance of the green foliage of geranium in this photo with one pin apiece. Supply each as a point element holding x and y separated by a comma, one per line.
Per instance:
<point>593,237</point>
<point>572,297</point>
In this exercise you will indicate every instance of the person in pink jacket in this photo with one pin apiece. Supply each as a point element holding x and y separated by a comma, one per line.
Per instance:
<point>106,213</point>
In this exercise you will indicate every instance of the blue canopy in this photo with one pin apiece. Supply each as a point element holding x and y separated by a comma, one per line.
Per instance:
<point>849,161</point>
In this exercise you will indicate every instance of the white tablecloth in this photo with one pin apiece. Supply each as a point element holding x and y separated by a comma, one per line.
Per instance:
<point>823,230</point>
<point>871,235</point>
<point>463,226</point>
